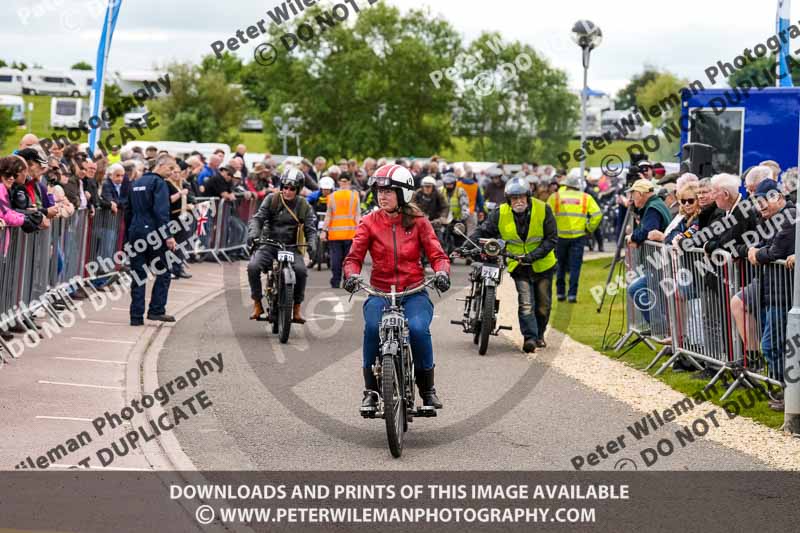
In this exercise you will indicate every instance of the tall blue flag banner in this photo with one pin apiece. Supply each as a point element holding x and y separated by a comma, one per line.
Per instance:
<point>784,9</point>
<point>109,23</point>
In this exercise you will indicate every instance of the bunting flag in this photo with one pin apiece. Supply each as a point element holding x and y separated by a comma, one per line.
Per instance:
<point>784,9</point>
<point>109,23</point>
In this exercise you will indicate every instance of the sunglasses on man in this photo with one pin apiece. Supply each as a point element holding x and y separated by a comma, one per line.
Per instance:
<point>289,188</point>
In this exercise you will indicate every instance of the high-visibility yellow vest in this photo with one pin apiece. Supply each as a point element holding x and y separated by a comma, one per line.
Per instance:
<point>344,209</point>
<point>472,193</point>
<point>576,213</point>
<point>455,204</point>
<point>515,244</point>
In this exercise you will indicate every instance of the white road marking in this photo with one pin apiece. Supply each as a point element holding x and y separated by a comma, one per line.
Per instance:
<point>91,360</point>
<point>102,340</point>
<point>108,387</point>
<point>120,309</point>
<point>101,323</point>
<point>187,290</point>
<point>64,418</point>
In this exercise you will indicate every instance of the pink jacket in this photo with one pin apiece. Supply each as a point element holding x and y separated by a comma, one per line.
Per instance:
<point>8,215</point>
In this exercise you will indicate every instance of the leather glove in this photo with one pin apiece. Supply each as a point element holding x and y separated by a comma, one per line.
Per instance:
<point>442,281</point>
<point>351,284</point>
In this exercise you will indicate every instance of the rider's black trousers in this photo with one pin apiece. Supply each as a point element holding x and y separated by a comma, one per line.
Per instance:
<point>261,261</point>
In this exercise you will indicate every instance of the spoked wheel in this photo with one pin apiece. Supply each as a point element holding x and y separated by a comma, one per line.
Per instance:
<point>393,406</point>
<point>487,319</point>
<point>272,310</point>
<point>285,312</point>
<point>475,316</point>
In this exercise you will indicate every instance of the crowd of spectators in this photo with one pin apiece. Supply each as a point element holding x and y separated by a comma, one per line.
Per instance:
<point>749,219</point>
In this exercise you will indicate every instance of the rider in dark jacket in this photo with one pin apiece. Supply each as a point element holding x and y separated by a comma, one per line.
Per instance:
<point>287,218</point>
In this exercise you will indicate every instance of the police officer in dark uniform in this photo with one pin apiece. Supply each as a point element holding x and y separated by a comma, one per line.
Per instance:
<point>278,218</point>
<point>148,214</point>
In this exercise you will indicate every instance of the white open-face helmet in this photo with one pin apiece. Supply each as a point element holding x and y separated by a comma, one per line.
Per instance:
<point>429,180</point>
<point>327,183</point>
<point>397,177</point>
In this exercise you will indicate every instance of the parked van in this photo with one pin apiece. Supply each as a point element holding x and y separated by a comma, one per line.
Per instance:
<point>55,83</point>
<point>10,81</point>
<point>68,112</point>
<point>17,106</point>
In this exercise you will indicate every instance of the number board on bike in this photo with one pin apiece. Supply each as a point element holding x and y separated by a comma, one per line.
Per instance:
<point>392,321</point>
<point>286,256</point>
<point>490,272</point>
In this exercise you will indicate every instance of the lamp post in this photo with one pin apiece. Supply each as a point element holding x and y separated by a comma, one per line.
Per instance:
<point>288,127</point>
<point>588,37</point>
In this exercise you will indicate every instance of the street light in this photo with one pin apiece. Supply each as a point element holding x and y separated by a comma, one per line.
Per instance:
<point>588,37</point>
<point>288,127</point>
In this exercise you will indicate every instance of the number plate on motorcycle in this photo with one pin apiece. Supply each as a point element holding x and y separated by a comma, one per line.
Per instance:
<point>392,321</point>
<point>490,272</point>
<point>286,256</point>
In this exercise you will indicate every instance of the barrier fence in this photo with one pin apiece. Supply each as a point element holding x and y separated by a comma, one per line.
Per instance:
<point>221,226</point>
<point>713,312</point>
<point>36,269</point>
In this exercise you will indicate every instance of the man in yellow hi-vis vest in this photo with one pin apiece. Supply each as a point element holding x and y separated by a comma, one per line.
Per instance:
<point>577,214</point>
<point>528,227</point>
<point>340,225</point>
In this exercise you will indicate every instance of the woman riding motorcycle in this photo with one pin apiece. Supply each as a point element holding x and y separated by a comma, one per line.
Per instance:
<point>395,237</point>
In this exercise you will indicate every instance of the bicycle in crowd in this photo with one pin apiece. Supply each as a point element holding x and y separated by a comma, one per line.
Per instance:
<point>394,368</point>
<point>481,304</point>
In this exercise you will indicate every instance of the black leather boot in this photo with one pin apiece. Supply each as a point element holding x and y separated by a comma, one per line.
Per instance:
<point>370,402</point>
<point>427,390</point>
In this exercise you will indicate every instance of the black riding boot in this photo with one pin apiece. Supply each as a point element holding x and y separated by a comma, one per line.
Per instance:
<point>427,390</point>
<point>370,401</point>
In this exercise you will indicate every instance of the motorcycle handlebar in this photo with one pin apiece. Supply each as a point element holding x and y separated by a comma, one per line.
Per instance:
<point>363,286</point>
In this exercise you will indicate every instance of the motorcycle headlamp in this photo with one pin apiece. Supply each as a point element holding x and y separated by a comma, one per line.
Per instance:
<point>492,248</point>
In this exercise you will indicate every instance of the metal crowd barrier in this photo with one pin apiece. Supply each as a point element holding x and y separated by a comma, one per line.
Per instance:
<point>692,311</point>
<point>221,226</point>
<point>105,236</point>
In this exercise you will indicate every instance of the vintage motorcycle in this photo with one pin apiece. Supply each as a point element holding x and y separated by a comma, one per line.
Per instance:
<point>481,304</point>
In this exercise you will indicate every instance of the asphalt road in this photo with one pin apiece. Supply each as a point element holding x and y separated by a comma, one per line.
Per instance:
<point>295,406</point>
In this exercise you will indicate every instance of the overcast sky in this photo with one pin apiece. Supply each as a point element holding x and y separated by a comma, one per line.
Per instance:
<point>683,36</point>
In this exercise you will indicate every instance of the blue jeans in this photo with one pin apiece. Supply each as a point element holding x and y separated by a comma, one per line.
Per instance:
<point>526,303</point>
<point>773,337</point>
<point>569,253</point>
<point>419,312</point>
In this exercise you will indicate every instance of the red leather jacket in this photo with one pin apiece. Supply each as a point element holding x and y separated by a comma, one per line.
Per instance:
<point>395,251</point>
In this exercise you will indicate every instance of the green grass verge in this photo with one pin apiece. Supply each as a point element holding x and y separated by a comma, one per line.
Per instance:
<point>585,325</point>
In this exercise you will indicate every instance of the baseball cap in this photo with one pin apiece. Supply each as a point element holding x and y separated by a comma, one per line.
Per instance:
<point>765,188</point>
<point>642,185</point>
<point>33,155</point>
